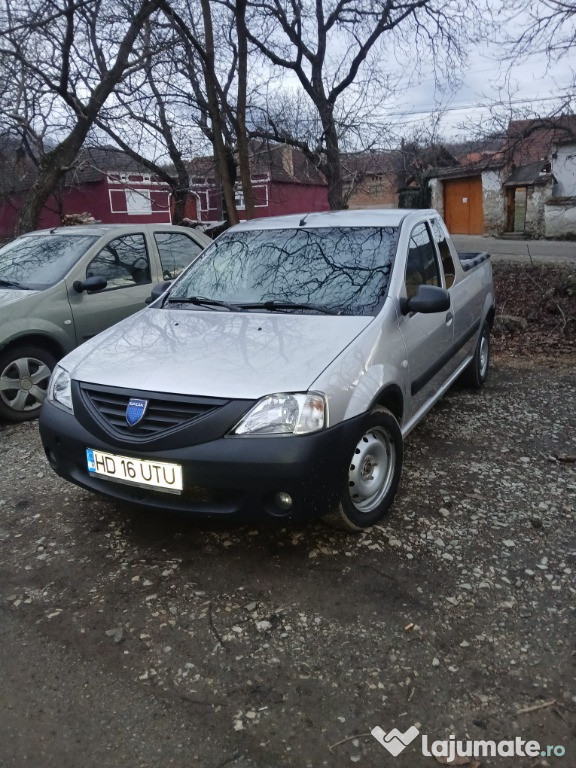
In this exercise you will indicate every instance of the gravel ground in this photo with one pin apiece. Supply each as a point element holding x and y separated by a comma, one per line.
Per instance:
<point>136,639</point>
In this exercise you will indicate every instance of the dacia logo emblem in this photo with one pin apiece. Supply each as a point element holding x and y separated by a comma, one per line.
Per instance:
<point>135,411</point>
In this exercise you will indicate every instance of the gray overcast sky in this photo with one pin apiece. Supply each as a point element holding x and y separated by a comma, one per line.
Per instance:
<point>533,86</point>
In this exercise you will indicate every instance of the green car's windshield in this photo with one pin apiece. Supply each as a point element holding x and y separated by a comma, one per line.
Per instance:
<point>36,262</point>
<point>339,269</point>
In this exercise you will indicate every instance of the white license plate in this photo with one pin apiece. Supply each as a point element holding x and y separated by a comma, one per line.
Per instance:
<point>148,474</point>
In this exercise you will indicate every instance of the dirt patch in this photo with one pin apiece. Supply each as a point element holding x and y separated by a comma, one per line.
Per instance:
<point>140,639</point>
<point>545,297</point>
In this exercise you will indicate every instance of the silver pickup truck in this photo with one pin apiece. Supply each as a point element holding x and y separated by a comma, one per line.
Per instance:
<point>279,374</point>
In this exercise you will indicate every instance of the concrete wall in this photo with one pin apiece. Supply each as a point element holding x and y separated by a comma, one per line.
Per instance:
<point>494,203</point>
<point>564,169</point>
<point>560,219</point>
<point>437,195</point>
<point>535,201</point>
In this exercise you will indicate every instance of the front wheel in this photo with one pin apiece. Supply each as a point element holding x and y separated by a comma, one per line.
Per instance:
<point>372,476</point>
<point>476,373</point>
<point>24,375</point>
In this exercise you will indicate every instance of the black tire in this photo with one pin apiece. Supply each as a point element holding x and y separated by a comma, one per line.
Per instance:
<point>367,496</point>
<point>24,374</point>
<point>476,373</point>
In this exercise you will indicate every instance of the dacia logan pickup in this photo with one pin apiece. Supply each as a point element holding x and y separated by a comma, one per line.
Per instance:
<point>279,374</point>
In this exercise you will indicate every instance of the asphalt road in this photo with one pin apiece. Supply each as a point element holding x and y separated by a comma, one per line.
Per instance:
<point>142,640</point>
<point>538,251</point>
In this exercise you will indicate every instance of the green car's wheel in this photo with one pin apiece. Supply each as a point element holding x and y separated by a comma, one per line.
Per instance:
<point>24,375</point>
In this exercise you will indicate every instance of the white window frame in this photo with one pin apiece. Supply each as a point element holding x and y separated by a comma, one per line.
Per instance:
<point>132,198</point>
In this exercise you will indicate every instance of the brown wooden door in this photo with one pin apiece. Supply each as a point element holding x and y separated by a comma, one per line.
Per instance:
<point>463,209</point>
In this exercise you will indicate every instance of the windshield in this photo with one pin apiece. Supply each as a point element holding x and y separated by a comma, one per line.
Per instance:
<point>40,261</point>
<point>344,269</point>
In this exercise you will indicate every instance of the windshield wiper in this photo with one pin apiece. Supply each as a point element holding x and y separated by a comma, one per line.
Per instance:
<point>13,284</point>
<point>202,301</point>
<point>271,306</point>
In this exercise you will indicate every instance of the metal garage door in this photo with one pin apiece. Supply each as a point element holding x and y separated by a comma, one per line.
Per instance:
<point>463,209</point>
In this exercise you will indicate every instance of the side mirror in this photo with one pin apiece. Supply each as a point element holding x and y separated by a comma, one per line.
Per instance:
<point>158,290</point>
<point>428,299</point>
<point>94,283</point>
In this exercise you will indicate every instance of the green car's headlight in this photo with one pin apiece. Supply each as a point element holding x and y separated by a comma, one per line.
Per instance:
<point>285,413</point>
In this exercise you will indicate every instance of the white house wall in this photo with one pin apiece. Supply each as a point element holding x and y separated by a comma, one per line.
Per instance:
<point>564,169</point>
<point>560,220</point>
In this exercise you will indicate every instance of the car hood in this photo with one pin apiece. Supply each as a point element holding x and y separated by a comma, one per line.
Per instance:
<point>214,353</point>
<point>10,295</point>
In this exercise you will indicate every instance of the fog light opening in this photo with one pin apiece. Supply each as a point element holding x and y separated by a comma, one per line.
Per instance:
<point>283,501</point>
<point>50,455</point>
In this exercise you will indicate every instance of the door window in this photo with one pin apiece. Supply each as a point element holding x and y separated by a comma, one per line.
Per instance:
<point>176,252</point>
<point>123,262</point>
<point>444,249</point>
<point>422,265</point>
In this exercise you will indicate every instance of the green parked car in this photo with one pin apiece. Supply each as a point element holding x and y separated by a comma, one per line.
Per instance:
<point>60,287</point>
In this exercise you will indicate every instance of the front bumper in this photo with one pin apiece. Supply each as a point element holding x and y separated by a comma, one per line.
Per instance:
<point>237,477</point>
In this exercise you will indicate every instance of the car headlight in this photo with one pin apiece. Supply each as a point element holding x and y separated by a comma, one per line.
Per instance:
<point>285,413</point>
<point>60,388</point>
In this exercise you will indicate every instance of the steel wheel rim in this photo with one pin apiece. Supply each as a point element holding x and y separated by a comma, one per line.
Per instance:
<point>24,383</point>
<point>371,470</point>
<point>484,353</point>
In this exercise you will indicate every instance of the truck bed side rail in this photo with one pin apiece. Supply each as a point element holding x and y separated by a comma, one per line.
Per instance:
<point>471,259</point>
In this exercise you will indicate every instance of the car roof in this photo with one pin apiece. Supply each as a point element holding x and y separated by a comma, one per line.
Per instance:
<point>101,229</point>
<point>384,217</point>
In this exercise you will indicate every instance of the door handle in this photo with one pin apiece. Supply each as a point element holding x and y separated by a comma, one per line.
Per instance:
<point>449,318</point>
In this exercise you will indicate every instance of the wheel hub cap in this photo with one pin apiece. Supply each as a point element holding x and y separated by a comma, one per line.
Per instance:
<point>371,470</point>
<point>23,384</point>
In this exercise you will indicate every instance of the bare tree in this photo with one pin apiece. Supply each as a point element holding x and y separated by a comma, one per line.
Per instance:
<point>73,54</point>
<point>302,37</point>
<point>210,77</point>
<point>547,26</point>
<point>147,114</point>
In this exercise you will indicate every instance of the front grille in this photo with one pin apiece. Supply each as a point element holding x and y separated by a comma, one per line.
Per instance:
<point>164,412</point>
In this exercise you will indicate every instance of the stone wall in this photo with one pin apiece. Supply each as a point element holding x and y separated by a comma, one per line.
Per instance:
<point>494,202</point>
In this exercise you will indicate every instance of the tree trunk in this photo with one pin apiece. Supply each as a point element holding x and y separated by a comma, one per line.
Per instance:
<point>180,199</point>
<point>55,164</point>
<point>181,191</point>
<point>216,117</point>
<point>333,170</point>
<point>242,136</point>
<point>52,168</point>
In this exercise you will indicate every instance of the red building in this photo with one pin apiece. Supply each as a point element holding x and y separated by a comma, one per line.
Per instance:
<point>283,181</point>
<point>105,182</point>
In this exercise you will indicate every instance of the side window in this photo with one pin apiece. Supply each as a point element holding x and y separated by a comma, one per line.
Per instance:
<point>123,262</point>
<point>422,265</point>
<point>176,252</point>
<point>444,250</point>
